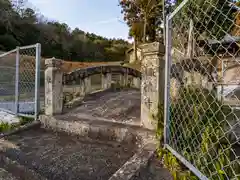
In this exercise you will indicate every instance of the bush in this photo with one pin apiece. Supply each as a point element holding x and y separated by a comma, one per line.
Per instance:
<point>197,121</point>
<point>5,127</point>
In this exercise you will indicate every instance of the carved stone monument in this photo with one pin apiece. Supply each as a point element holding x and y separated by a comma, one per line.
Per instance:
<point>152,84</point>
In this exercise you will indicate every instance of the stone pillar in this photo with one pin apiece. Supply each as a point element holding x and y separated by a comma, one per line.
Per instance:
<point>152,83</point>
<point>137,82</point>
<point>123,79</point>
<point>53,87</point>
<point>87,84</point>
<point>106,81</point>
<point>82,88</point>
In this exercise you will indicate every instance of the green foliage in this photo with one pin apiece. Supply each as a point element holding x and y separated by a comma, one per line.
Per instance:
<point>169,160</point>
<point>211,18</point>
<point>201,133</point>
<point>172,164</point>
<point>200,119</point>
<point>5,127</point>
<point>159,117</point>
<point>67,97</point>
<point>143,17</point>
<point>21,26</point>
<point>25,120</point>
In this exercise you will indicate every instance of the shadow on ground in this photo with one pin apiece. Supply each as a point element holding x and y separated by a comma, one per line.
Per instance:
<point>61,156</point>
<point>121,106</point>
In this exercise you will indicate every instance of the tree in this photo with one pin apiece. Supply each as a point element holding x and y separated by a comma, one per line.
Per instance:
<point>6,15</point>
<point>141,16</point>
<point>213,18</point>
<point>21,26</point>
<point>236,29</point>
<point>29,16</point>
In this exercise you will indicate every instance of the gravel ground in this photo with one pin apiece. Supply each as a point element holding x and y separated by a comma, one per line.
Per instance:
<point>58,156</point>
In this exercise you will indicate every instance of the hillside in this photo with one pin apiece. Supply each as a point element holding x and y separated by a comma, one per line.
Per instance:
<point>28,63</point>
<point>20,26</point>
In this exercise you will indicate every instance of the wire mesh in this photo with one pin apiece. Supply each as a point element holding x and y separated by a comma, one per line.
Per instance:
<point>7,81</point>
<point>203,125</point>
<point>26,87</point>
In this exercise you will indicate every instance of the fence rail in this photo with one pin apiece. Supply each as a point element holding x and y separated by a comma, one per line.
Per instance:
<point>202,126</point>
<point>20,80</point>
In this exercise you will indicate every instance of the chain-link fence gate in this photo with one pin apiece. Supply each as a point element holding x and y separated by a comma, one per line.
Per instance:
<point>20,81</point>
<point>202,126</point>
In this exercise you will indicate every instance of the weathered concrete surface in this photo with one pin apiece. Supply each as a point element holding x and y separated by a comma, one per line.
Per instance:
<point>153,171</point>
<point>60,156</point>
<point>121,106</point>
<point>98,128</point>
<point>7,117</point>
<point>4,175</point>
<point>131,167</point>
<point>152,84</point>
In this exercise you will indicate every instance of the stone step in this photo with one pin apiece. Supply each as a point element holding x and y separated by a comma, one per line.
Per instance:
<point>60,156</point>
<point>16,170</point>
<point>98,128</point>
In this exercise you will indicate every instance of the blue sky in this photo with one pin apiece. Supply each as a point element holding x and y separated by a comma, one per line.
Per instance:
<point>96,16</point>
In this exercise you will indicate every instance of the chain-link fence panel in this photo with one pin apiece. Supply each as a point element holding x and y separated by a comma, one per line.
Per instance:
<point>20,79</point>
<point>7,81</point>
<point>27,71</point>
<point>202,121</point>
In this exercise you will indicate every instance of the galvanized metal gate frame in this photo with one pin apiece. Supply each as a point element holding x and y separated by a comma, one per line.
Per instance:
<point>37,48</point>
<point>168,62</point>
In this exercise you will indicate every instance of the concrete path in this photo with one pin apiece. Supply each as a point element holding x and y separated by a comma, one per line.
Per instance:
<point>52,154</point>
<point>122,106</point>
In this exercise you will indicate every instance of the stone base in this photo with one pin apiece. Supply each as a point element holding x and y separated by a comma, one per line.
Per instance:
<point>146,119</point>
<point>95,129</point>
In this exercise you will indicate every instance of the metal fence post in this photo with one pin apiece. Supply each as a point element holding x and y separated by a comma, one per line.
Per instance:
<point>167,79</point>
<point>222,82</point>
<point>37,80</point>
<point>17,81</point>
